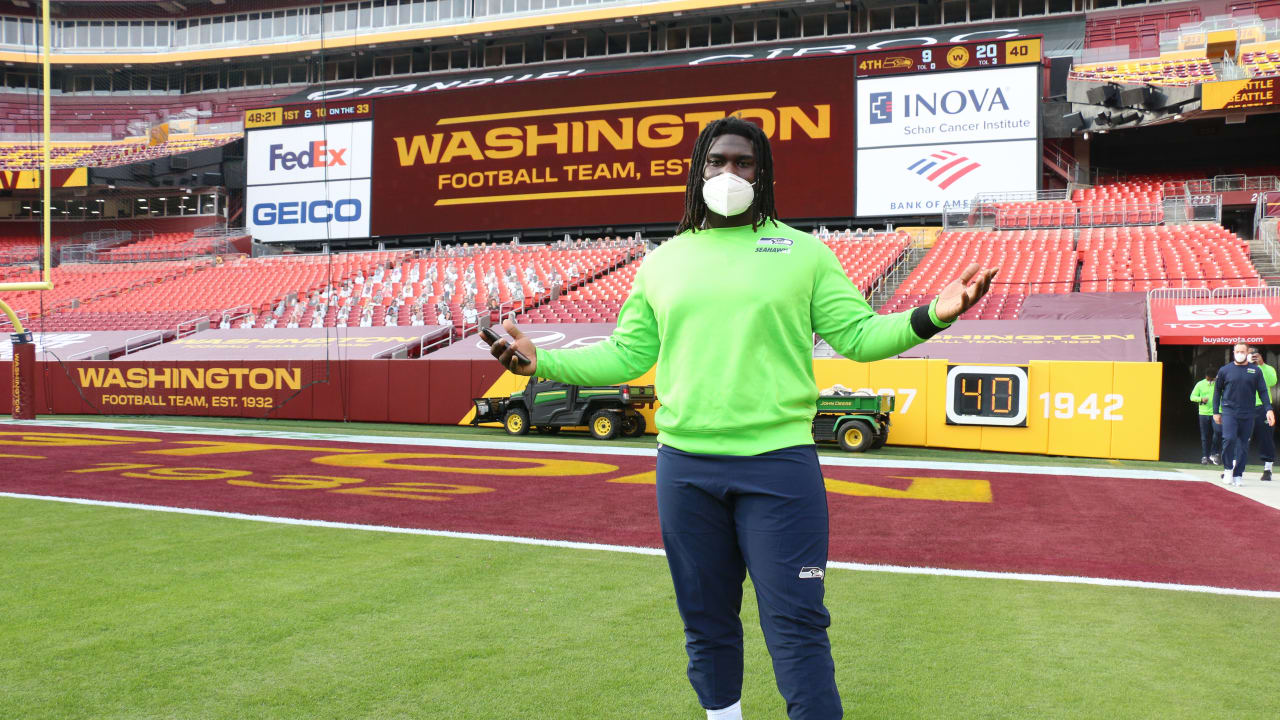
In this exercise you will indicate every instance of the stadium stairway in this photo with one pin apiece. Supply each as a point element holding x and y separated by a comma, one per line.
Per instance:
<point>897,275</point>
<point>1261,259</point>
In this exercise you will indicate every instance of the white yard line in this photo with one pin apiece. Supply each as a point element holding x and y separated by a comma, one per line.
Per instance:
<point>598,450</point>
<point>978,574</point>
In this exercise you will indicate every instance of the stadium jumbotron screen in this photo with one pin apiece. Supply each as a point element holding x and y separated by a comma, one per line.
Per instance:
<point>931,130</point>
<point>929,143</point>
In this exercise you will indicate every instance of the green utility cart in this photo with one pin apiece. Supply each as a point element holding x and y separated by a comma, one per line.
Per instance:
<point>546,406</point>
<point>858,421</point>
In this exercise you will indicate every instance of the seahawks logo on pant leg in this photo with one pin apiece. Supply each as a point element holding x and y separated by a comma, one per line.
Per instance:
<point>811,573</point>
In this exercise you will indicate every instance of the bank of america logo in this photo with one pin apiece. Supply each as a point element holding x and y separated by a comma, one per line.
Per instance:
<point>943,168</point>
<point>881,108</point>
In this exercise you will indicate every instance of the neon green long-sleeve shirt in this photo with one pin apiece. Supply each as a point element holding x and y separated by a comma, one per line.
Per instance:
<point>1204,391</point>
<point>1269,376</point>
<point>728,315</point>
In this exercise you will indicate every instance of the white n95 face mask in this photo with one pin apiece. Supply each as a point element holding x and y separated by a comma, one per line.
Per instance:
<point>727,194</point>
<point>1240,357</point>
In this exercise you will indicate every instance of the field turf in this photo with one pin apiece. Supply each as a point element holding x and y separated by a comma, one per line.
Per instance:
<point>121,613</point>
<point>573,437</point>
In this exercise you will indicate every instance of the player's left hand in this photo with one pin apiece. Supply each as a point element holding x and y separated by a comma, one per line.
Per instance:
<point>1271,418</point>
<point>964,292</point>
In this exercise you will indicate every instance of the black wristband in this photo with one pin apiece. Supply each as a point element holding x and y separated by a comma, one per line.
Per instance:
<point>922,325</point>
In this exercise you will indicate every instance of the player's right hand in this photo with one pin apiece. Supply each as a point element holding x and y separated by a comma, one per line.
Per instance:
<point>506,351</point>
<point>1217,419</point>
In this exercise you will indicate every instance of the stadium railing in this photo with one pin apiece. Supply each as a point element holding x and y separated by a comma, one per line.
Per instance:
<point>74,154</point>
<point>1173,48</point>
<point>191,327</point>
<point>1073,214</point>
<point>23,317</point>
<point>1220,184</point>
<point>145,340</point>
<point>101,352</point>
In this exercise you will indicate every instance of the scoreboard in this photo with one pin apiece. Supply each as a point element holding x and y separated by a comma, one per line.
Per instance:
<point>963,56</point>
<point>914,131</point>
<point>937,125</point>
<point>320,112</point>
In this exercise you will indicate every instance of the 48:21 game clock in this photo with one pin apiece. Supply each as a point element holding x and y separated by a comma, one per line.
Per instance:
<point>987,395</point>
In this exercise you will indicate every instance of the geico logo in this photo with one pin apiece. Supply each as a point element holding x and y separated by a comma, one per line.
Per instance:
<point>300,213</point>
<point>954,102</point>
<point>317,154</point>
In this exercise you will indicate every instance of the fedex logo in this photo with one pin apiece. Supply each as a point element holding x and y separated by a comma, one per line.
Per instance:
<point>317,154</point>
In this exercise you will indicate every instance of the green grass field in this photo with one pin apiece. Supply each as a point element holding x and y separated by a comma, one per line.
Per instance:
<point>118,613</point>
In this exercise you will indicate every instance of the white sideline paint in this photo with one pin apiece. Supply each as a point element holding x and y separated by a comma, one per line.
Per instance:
<point>905,570</point>
<point>598,450</point>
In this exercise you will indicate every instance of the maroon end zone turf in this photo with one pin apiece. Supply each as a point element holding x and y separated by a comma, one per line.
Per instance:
<point>1151,530</point>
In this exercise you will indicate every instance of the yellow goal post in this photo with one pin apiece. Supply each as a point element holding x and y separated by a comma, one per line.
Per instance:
<point>46,283</point>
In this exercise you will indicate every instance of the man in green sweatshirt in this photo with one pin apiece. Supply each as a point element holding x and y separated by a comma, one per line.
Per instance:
<point>727,309</point>
<point>1210,432</point>
<point>1265,434</point>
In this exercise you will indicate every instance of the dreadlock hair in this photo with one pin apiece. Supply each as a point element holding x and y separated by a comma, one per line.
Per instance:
<point>695,208</point>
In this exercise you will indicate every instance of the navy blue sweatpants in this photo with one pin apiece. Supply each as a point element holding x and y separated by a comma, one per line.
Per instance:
<point>1236,431</point>
<point>1266,435</point>
<point>724,515</point>
<point>1210,436</point>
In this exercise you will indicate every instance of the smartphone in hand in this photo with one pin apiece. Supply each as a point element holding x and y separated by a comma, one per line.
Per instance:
<point>492,337</point>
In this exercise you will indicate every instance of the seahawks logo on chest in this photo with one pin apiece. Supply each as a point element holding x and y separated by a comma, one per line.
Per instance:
<point>773,245</point>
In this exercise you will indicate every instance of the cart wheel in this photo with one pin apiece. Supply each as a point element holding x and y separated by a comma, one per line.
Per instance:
<point>516,421</point>
<point>855,435</point>
<point>880,440</point>
<point>548,429</point>
<point>604,425</point>
<point>633,425</point>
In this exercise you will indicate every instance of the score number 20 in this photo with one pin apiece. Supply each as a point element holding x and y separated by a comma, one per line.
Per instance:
<point>1064,406</point>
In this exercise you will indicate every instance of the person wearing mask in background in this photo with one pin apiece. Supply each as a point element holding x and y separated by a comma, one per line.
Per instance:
<point>1210,432</point>
<point>1261,431</point>
<point>726,307</point>
<point>1238,384</point>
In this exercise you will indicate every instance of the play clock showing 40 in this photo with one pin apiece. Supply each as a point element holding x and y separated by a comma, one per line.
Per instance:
<point>987,395</point>
<point>996,395</point>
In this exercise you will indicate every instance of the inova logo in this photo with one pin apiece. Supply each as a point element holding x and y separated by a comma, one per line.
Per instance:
<point>954,102</point>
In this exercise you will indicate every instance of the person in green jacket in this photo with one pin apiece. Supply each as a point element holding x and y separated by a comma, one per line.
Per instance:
<point>1263,433</point>
<point>727,310</point>
<point>1210,432</point>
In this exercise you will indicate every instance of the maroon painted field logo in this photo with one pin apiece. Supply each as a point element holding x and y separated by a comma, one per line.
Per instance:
<point>1110,527</point>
